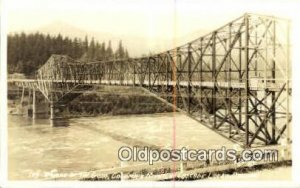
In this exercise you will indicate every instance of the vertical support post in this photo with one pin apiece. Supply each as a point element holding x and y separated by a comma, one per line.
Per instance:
<point>167,69</point>
<point>33,104</point>
<point>240,79</point>
<point>134,75</point>
<point>255,73</point>
<point>228,91</point>
<point>189,77</point>
<point>246,50</point>
<point>23,93</point>
<point>178,64</point>
<point>29,95</point>
<point>256,54</point>
<point>18,91</point>
<point>273,115</point>
<point>159,74</point>
<point>201,75</point>
<point>214,79</point>
<point>265,124</point>
<point>149,72</point>
<point>29,101</point>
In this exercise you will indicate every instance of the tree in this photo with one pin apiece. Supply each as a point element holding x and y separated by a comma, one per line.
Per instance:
<point>76,48</point>
<point>98,51</point>
<point>28,52</point>
<point>109,52</point>
<point>86,44</point>
<point>103,51</point>
<point>120,53</point>
<point>91,50</point>
<point>58,47</point>
<point>126,54</point>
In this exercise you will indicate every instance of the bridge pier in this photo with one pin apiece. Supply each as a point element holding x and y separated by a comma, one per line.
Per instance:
<point>22,97</point>
<point>33,104</point>
<point>52,111</point>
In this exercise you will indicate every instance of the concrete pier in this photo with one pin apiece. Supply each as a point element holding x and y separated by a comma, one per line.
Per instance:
<point>52,111</point>
<point>33,104</point>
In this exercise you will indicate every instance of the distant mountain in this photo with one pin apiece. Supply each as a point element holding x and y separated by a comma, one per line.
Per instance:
<point>136,45</point>
<point>65,29</point>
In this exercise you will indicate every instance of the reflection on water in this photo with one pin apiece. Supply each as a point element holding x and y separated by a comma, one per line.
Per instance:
<point>37,147</point>
<point>60,122</point>
<point>41,120</point>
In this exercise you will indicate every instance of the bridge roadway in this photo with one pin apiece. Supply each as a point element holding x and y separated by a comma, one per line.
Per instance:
<point>254,85</point>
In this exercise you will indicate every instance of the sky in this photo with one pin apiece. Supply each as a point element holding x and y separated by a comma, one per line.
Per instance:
<point>151,20</point>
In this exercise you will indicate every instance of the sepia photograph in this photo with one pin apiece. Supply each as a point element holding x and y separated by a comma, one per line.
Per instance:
<point>170,91</point>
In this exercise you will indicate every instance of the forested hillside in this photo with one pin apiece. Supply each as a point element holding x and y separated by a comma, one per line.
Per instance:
<point>27,52</point>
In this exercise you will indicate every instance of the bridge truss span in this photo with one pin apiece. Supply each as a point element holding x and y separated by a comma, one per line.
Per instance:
<point>235,79</point>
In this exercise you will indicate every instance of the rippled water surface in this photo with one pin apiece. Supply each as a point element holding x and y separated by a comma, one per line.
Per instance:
<point>89,143</point>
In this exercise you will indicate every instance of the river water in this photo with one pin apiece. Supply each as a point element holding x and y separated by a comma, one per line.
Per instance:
<point>36,148</point>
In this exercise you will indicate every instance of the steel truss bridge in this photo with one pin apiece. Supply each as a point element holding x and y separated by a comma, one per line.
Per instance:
<point>235,80</point>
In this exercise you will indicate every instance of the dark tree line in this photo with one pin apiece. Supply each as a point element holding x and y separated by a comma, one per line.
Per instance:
<point>28,52</point>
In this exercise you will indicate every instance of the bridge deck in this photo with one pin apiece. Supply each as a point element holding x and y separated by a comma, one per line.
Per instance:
<point>254,85</point>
